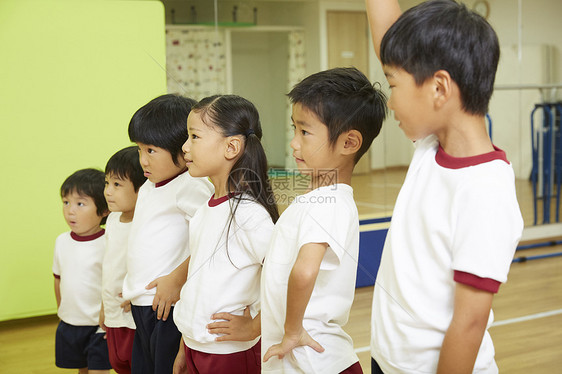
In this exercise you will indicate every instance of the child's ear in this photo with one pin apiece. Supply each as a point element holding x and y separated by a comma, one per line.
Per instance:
<point>233,147</point>
<point>352,141</point>
<point>106,213</point>
<point>442,88</point>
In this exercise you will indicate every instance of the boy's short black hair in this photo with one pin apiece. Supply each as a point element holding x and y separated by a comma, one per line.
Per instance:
<point>125,164</point>
<point>445,35</point>
<point>87,182</point>
<point>343,99</point>
<point>162,122</point>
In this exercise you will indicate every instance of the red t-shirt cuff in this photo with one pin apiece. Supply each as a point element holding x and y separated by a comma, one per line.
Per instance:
<point>484,284</point>
<point>56,276</point>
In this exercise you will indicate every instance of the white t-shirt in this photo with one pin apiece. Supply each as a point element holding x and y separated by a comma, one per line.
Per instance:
<point>113,272</point>
<point>455,220</point>
<point>77,261</point>
<point>222,278</point>
<point>325,215</point>
<point>159,237</point>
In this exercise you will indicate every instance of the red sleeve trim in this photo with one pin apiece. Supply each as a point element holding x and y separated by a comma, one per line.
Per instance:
<point>56,276</point>
<point>484,284</point>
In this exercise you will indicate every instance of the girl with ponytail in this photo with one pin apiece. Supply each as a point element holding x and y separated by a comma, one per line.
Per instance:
<point>228,238</point>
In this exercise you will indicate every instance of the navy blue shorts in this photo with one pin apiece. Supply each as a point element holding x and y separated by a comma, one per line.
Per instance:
<point>156,342</point>
<point>79,347</point>
<point>375,368</point>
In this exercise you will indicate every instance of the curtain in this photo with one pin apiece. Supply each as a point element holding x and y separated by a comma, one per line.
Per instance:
<point>195,62</point>
<point>296,72</point>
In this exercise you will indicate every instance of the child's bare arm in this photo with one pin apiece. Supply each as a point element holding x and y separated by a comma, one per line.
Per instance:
<point>180,364</point>
<point>101,321</point>
<point>238,328</point>
<point>464,336</point>
<point>382,14</point>
<point>168,290</point>
<point>301,283</point>
<point>57,291</point>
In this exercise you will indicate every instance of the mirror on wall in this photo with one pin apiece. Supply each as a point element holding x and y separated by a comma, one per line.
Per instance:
<point>253,53</point>
<point>260,50</point>
<point>525,108</point>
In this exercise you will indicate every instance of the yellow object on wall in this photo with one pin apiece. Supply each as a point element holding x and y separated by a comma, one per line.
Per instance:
<point>72,73</point>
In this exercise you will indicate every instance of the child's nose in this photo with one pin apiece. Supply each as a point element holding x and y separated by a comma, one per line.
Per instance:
<point>185,146</point>
<point>142,159</point>
<point>294,143</point>
<point>390,103</point>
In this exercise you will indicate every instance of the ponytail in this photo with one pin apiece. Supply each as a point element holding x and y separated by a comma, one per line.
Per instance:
<point>249,175</point>
<point>234,115</point>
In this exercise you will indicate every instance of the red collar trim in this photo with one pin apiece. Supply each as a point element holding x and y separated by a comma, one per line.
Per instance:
<point>86,238</point>
<point>214,202</point>
<point>165,182</point>
<point>450,162</point>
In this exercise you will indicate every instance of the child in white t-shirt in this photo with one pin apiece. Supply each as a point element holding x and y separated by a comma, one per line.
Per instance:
<point>228,236</point>
<point>123,178</point>
<point>159,237</point>
<point>77,263</point>
<point>308,279</point>
<point>456,222</point>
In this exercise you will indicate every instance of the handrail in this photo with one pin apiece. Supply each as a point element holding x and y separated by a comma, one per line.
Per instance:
<point>540,87</point>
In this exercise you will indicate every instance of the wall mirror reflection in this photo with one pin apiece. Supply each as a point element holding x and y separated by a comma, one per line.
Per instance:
<point>333,34</point>
<point>336,34</point>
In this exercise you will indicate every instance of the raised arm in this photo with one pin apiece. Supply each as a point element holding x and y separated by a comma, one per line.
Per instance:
<point>382,14</point>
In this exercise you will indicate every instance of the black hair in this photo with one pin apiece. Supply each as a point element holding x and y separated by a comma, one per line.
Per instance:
<point>125,164</point>
<point>162,122</point>
<point>87,182</point>
<point>445,35</point>
<point>234,115</point>
<point>343,99</point>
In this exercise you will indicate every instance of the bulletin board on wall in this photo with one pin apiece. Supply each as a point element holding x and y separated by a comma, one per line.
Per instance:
<point>73,73</point>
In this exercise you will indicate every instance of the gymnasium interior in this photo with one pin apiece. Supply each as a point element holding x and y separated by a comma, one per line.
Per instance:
<point>72,74</point>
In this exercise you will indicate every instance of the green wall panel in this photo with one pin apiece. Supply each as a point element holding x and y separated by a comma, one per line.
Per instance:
<point>72,73</point>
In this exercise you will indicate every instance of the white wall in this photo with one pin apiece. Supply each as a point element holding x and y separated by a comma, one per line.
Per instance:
<point>259,73</point>
<point>537,34</point>
<point>510,109</point>
<point>541,24</point>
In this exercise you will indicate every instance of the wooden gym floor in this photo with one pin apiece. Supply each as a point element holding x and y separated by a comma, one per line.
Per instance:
<point>527,332</point>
